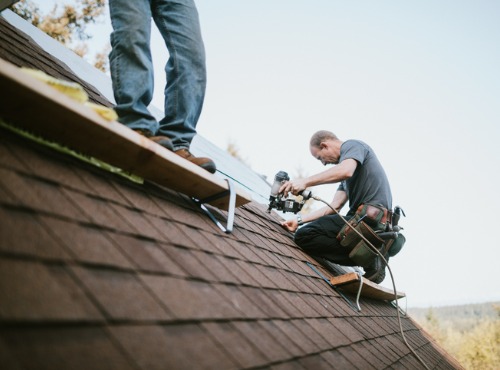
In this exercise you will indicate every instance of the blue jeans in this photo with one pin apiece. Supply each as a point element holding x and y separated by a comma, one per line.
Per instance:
<point>132,68</point>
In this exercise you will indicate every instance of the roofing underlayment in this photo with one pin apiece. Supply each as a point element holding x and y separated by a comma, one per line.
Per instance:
<point>100,272</point>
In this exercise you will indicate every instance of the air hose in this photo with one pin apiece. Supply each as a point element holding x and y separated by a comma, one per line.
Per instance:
<point>372,247</point>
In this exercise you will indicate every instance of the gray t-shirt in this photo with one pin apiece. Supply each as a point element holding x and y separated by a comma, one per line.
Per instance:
<point>369,183</point>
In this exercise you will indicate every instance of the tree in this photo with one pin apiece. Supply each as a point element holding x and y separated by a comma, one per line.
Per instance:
<point>480,347</point>
<point>66,23</point>
<point>475,344</point>
<point>234,152</point>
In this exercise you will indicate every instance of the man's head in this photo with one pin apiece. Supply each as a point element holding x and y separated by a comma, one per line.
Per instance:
<point>325,147</point>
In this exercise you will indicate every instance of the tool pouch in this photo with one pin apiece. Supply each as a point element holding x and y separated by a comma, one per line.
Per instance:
<point>396,245</point>
<point>362,255</point>
<point>346,235</point>
<point>374,215</point>
<point>360,252</point>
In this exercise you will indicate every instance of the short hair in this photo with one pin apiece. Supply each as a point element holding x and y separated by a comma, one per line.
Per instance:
<point>321,136</point>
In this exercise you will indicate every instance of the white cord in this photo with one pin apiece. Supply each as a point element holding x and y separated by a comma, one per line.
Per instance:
<point>390,272</point>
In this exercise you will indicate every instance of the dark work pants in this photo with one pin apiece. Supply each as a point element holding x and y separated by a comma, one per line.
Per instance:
<point>319,238</point>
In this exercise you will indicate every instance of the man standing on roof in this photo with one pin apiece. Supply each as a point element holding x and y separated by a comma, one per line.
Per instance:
<point>132,71</point>
<point>363,183</point>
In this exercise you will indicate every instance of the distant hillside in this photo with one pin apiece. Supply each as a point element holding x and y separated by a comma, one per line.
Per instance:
<point>463,317</point>
<point>470,333</point>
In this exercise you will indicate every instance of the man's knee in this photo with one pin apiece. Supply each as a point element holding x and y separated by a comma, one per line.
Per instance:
<point>304,237</point>
<point>301,235</point>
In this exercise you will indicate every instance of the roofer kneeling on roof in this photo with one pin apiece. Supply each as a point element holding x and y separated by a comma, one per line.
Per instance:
<point>364,184</point>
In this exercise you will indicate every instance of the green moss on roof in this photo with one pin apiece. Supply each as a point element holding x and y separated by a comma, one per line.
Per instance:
<point>63,149</point>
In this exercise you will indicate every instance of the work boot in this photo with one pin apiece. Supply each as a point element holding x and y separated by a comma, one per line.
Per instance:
<point>160,140</point>
<point>205,163</point>
<point>376,270</point>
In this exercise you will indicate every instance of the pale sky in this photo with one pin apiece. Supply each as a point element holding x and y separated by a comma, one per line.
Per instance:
<point>419,81</point>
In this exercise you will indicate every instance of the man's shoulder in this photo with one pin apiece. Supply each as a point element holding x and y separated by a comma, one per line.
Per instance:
<point>354,144</point>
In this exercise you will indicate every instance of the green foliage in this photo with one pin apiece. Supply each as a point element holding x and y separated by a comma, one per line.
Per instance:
<point>469,333</point>
<point>480,348</point>
<point>66,22</point>
<point>62,24</point>
<point>234,151</point>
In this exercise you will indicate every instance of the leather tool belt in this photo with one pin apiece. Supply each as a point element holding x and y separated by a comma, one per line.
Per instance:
<point>367,219</point>
<point>374,215</point>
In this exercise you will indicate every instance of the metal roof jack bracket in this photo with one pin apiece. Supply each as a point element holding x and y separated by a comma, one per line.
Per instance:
<point>355,307</point>
<point>231,207</point>
<point>404,311</point>
<point>359,290</point>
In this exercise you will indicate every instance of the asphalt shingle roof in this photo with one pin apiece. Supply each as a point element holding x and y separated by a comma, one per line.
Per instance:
<point>98,272</point>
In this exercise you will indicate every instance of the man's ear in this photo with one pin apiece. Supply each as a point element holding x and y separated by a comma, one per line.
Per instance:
<point>323,145</point>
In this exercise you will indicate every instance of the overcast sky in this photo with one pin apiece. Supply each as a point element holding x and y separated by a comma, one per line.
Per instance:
<point>419,81</point>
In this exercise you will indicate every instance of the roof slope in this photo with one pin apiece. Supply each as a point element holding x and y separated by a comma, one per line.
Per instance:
<point>97,272</point>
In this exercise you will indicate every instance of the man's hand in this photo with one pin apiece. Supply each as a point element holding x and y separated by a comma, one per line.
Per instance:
<point>290,225</point>
<point>294,187</point>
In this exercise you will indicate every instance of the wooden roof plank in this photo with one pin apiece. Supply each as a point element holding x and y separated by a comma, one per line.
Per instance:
<point>39,108</point>
<point>350,283</point>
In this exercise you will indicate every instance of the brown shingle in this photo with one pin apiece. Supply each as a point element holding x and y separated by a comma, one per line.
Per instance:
<point>174,233</point>
<point>98,212</point>
<point>21,233</point>
<point>289,365</point>
<point>179,347</point>
<point>138,222</point>
<point>316,362</point>
<point>265,341</point>
<point>52,166</point>
<point>32,291</point>
<point>257,275</point>
<point>8,159</point>
<point>223,245</point>
<point>356,359</point>
<point>284,304</point>
<point>39,195</point>
<point>267,301</point>
<point>296,300</point>
<point>344,326</point>
<point>368,349</point>
<point>320,343</point>
<point>244,352</point>
<point>282,338</point>
<point>121,295</point>
<point>218,270</point>
<point>189,299</point>
<point>329,332</point>
<point>146,255</point>
<point>240,275</point>
<point>292,331</point>
<point>277,277</point>
<point>78,348</point>
<point>337,361</point>
<point>245,302</point>
<point>86,244</point>
<point>189,262</point>
<point>137,197</point>
<point>100,185</point>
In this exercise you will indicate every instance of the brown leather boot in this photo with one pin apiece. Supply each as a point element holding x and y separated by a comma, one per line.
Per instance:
<point>205,163</point>
<point>160,140</point>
